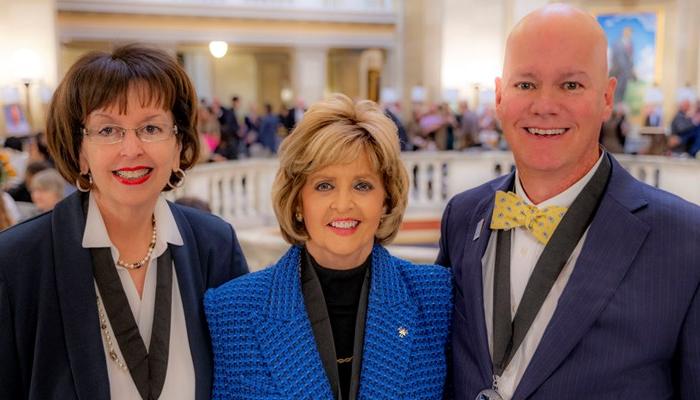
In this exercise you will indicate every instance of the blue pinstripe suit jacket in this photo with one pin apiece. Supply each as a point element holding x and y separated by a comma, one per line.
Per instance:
<point>264,346</point>
<point>627,325</point>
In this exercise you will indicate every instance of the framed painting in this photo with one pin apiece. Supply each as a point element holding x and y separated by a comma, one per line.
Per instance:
<point>16,123</point>
<point>635,51</point>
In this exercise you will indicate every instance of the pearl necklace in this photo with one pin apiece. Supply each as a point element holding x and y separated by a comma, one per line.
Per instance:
<point>142,262</point>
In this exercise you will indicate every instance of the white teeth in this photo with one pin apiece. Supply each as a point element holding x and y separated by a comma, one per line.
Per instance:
<point>344,224</point>
<point>133,174</point>
<point>546,132</point>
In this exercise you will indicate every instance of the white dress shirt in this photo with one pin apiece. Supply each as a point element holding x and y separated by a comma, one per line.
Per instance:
<point>524,253</point>
<point>179,378</point>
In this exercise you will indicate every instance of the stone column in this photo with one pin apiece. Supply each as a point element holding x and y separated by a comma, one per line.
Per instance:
<point>371,62</point>
<point>198,64</point>
<point>309,73</point>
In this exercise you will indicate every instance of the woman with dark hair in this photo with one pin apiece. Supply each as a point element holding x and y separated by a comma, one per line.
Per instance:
<point>101,297</point>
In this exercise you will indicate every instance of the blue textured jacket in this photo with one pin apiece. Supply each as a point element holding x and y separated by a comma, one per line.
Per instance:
<point>264,346</point>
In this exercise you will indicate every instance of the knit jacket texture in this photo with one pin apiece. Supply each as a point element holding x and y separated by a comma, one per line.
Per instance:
<point>264,346</point>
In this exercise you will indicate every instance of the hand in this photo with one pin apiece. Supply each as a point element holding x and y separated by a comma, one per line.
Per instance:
<point>674,140</point>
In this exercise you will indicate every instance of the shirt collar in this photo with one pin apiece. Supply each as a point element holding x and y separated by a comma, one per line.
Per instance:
<point>95,234</point>
<point>565,198</point>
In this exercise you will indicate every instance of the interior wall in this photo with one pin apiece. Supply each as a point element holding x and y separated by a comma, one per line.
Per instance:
<point>273,77</point>
<point>236,74</point>
<point>473,44</point>
<point>344,72</point>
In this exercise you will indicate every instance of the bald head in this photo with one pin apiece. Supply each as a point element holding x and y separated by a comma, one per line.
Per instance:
<point>560,23</point>
<point>554,96</point>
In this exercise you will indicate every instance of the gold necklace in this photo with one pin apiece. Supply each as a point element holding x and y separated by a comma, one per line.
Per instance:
<point>343,360</point>
<point>142,262</point>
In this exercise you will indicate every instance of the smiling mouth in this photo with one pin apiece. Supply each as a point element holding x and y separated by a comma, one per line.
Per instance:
<point>547,132</point>
<point>344,224</point>
<point>132,174</point>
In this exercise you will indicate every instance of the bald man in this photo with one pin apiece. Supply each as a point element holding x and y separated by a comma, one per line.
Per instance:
<point>573,279</point>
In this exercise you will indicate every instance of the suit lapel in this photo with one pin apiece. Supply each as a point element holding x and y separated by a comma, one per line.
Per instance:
<point>472,279</point>
<point>389,328</point>
<point>77,301</point>
<point>285,335</point>
<point>192,287</point>
<point>601,266</point>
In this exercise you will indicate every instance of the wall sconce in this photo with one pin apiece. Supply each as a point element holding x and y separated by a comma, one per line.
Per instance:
<point>218,48</point>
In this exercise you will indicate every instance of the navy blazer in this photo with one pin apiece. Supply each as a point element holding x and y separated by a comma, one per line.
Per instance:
<point>50,340</point>
<point>627,325</point>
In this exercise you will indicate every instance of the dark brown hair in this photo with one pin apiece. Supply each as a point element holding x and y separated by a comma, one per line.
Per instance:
<point>100,80</point>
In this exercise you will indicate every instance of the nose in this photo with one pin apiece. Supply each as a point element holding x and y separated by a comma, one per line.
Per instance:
<point>545,103</point>
<point>131,145</point>
<point>343,201</point>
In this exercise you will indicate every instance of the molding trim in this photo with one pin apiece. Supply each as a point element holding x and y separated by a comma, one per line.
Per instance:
<point>270,9</point>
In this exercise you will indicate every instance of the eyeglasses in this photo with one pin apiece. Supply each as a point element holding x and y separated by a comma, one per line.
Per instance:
<point>111,134</point>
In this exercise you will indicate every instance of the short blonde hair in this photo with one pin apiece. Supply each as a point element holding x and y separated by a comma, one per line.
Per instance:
<point>335,131</point>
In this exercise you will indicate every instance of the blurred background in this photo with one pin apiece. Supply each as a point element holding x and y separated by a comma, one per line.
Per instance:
<point>257,65</point>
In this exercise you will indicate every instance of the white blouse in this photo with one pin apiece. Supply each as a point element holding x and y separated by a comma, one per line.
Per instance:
<point>180,377</point>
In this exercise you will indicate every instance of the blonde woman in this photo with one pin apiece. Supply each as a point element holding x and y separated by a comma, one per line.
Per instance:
<point>337,317</point>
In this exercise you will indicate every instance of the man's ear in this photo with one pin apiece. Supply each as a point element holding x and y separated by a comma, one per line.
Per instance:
<point>609,98</point>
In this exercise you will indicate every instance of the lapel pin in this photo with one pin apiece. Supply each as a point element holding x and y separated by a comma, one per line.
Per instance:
<point>403,332</point>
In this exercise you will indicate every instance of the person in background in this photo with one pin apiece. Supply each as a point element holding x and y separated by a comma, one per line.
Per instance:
<point>337,317</point>
<point>613,133</point>
<point>295,114</point>
<point>685,129</point>
<point>101,298</point>
<point>568,269</point>
<point>47,189</point>
<point>21,191</point>
<point>227,147</point>
<point>468,127</point>
<point>251,121</point>
<point>9,214</point>
<point>393,111</point>
<point>269,124</point>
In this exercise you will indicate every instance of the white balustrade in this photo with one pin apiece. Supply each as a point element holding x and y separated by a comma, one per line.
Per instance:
<point>240,190</point>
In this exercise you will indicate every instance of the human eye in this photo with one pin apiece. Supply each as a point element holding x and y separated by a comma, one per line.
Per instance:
<point>571,85</point>
<point>109,131</point>
<point>364,186</point>
<point>152,130</point>
<point>525,85</point>
<point>323,187</point>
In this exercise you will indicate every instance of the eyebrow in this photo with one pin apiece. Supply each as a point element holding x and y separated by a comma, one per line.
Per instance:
<point>563,75</point>
<point>326,177</point>
<point>145,119</point>
<point>574,74</point>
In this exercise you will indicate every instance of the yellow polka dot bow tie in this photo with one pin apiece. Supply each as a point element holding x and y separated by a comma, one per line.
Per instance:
<point>511,211</point>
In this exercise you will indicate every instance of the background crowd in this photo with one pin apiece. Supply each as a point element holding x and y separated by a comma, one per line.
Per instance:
<point>231,131</point>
